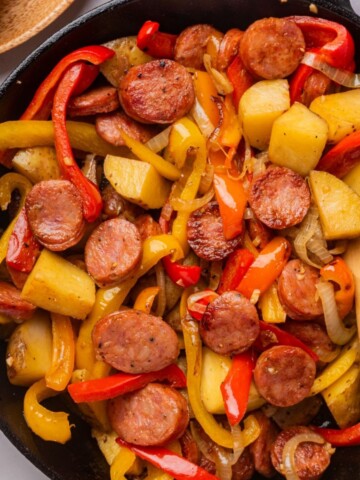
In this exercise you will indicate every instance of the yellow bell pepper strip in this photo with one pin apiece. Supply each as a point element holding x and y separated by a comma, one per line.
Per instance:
<point>144,301</point>
<point>205,92</point>
<point>338,272</point>
<point>228,131</point>
<point>266,267</point>
<point>232,199</point>
<point>37,133</point>
<point>144,153</point>
<point>8,183</point>
<point>48,425</point>
<point>121,464</point>
<point>271,309</point>
<point>63,356</point>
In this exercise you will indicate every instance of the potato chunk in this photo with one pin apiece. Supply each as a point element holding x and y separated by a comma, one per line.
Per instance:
<point>260,106</point>
<point>37,163</point>
<point>137,181</point>
<point>341,112</point>
<point>298,138</point>
<point>59,286</point>
<point>29,351</point>
<point>338,204</point>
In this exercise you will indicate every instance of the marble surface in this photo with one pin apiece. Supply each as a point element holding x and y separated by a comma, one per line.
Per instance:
<point>13,464</point>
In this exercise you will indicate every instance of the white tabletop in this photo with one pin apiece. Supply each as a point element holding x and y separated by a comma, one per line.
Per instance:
<point>13,464</point>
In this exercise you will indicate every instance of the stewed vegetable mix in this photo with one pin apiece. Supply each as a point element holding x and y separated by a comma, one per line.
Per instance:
<point>181,252</point>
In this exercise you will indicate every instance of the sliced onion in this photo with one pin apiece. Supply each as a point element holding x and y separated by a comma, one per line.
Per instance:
<point>89,168</point>
<point>316,246</point>
<point>201,119</point>
<point>215,275</point>
<point>189,206</point>
<point>340,247</point>
<point>193,304</point>
<point>307,230</point>
<point>161,296</point>
<point>338,333</point>
<point>342,77</point>
<point>220,79</point>
<point>288,455</point>
<point>248,213</point>
<point>160,141</point>
<point>206,179</point>
<point>238,442</point>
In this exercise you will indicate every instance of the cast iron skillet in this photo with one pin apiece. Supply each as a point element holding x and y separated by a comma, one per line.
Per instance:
<point>80,458</point>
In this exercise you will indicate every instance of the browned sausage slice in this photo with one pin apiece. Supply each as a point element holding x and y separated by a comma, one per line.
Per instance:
<point>135,342</point>
<point>99,100</point>
<point>297,291</point>
<point>260,449</point>
<point>147,226</point>
<point>311,459</point>
<point>284,375</point>
<point>191,45</point>
<point>160,91</point>
<point>280,198</point>
<point>205,234</point>
<point>55,214</point>
<point>229,48</point>
<point>109,128</point>
<point>272,48</point>
<point>230,324</point>
<point>113,251</point>
<point>154,415</point>
<point>316,84</point>
<point>12,305</point>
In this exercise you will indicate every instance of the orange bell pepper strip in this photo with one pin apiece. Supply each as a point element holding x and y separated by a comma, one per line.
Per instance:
<point>63,358</point>
<point>231,197</point>
<point>205,92</point>
<point>266,267</point>
<point>144,301</point>
<point>337,271</point>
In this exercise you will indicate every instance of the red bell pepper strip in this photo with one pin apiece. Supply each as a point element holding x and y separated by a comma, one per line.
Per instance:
<point>236,266</point>
<point>346,437</point>
<point>169,462</point>
<point>236,386</point>
<point>183,275</point>
<point>120,383</point>
<point>330,40</point>
<point>341,158</point>
<point>155,43</point>
<point>91,197</point>
<point>23,248</point>
<point>197,303</point>
<point>239,78</point>
<point>231,197</point>
<point>280,337</point>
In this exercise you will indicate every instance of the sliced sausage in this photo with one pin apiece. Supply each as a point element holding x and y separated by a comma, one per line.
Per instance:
<point>311,459</point>
<point>259,233</point>
<point>189,448</point>
<point>280,198</point>
<point>191,45</point>
<point>18,278</point>
<point>135,342</point>
<point>230,324</point>
<point>229,48</point>
<point>12,305</point>
<point>114,204</point>
<point>99,100</point>
<point>297,291</point>
<point>316,84</point>
<point>205,234</point>
<point>244,468</point>
<point>154,415</point>
<point>160,91</point>
<point>109,128</point>
<point>113,251</point>
<point>272,48</point>
<point>314,336</point>
<point>147,226</point>
<point>284,375</point>
<point>55,214</point>
<point>260,449</point>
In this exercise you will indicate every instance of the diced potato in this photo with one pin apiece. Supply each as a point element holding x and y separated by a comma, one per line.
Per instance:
<point>353,179</point>
<point>338,204</point>
<point>342,398</point>
<point>352,260</point>
<point>127,54</point>
<point>260,106</point>
<point>298,138</point>
<point>341,112</point>
<point>271,309</point>
<point>37,163</point>
<point>29,351</point>
<point>214,370</point>
<point>137,181</point>
<point>59,286</point>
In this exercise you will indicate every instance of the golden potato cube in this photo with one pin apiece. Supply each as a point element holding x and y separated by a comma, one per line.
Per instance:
<point>338,204</point>
<point>260,106</point>
<point>57,285</point>
<point>341,112</point>
<point>29,351</point>
<point>298,138</point>
<point>37,163</point>
<point>137,181</point>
